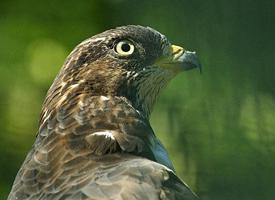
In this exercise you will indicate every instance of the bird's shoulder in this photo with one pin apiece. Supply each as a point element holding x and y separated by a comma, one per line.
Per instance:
<point>113,176</point>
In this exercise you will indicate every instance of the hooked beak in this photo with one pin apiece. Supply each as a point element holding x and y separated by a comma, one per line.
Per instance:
<point>179,60</point>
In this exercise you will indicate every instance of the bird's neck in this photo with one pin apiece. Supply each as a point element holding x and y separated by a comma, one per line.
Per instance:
<point>103,122</point>
<point>142,88</point>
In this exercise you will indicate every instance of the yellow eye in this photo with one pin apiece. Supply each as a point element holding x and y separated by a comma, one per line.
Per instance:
<point>124,48</point>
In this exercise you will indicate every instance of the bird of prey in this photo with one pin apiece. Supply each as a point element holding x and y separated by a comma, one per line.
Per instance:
<point>94,140</point>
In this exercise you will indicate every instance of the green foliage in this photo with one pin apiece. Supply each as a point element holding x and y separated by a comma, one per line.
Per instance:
<point>218,126</point>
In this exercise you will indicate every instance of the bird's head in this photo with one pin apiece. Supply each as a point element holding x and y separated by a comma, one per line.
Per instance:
<point>134,62</point>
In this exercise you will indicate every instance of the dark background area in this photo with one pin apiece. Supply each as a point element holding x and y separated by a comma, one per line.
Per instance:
<point>218,127</point>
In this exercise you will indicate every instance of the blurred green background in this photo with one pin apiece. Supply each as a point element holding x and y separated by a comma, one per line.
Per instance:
<point>218,126</point>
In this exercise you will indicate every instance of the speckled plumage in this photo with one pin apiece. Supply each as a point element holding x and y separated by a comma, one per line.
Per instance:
<point>94,139</point>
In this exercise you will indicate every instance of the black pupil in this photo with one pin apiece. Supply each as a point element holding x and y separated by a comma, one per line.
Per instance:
<point>125,47</point>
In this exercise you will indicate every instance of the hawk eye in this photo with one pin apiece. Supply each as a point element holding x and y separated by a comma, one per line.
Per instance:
<point>124,48</point>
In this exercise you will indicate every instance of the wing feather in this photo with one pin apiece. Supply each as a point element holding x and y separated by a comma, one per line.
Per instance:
<point>73,159</point>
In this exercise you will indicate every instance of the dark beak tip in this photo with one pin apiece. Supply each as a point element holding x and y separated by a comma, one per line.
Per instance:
<point>190,60</point>
<point>199,66</point>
